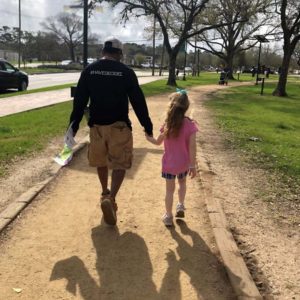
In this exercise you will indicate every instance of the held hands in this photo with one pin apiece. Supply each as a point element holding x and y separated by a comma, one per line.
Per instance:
<point>192,172</point>
<point>149,138</point>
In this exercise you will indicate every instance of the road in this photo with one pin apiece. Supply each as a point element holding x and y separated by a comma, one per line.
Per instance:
<point>16,104</point>
<point>46,80</point>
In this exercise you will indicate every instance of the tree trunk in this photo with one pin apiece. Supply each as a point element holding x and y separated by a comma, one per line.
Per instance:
<point>281,85</point>
<point>172,67</point>
<point>71,51</point>
<point>229,63</point>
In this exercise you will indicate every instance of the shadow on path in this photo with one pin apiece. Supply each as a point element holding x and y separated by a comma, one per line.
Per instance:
<point>204,269</point>
<point>125,270</point>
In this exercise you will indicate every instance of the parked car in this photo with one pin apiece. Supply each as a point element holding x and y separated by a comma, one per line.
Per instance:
<point>188,69</point>
<point>11,77</point>
<point>65,62</point>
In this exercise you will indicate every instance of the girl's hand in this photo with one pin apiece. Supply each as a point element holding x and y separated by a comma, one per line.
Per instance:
<point>192,172</point>
<point>149,138</point>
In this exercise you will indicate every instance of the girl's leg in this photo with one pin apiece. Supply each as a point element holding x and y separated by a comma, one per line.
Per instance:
<point>170,188</point>
<point>181,189</point>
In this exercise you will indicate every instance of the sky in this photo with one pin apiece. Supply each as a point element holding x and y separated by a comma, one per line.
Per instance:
<point>104,22</point>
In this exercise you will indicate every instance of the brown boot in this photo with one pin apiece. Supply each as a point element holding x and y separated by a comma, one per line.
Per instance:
<point>109,208</point>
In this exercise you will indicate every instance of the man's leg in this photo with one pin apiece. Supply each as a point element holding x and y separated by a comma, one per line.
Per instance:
<point>108,205</point>
<point>117,178</point>
<point>103,178</point>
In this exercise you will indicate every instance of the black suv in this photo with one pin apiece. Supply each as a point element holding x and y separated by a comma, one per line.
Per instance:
<point>11,77</point>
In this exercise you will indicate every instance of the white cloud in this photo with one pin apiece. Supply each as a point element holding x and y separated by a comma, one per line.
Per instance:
<point>105,23</point>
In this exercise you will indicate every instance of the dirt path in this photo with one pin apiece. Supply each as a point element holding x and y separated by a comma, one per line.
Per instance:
<point>60,249</point>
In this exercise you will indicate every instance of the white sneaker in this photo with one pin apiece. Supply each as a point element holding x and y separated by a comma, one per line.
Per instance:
<point>168,221</point>
<point>180,210</point>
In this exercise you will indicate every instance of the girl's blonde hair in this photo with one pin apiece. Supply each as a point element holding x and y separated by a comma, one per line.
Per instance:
<point>179,104</point>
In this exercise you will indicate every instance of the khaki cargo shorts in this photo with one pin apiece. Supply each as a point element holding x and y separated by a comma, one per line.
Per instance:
<point>111,146</point>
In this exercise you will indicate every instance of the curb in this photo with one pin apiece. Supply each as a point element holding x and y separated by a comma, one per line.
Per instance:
<point>16,207</point>
<point>238,273</point>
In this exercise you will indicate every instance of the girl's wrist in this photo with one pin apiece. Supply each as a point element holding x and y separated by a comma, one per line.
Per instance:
<point>192,167</point>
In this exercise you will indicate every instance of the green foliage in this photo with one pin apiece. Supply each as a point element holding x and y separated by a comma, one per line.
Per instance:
<point>24,133</point>
<point>50,88</point>
<point>266,127</point>
<point>28,132</point>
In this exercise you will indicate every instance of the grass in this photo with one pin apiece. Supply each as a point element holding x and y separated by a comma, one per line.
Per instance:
<point>33,70</point>
<point>240,111</point>
<point>274,121</point>
<point>27,132</point>
<point>45,89</point>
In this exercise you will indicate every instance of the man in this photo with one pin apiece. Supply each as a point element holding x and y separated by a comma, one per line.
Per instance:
<point>107,85</point>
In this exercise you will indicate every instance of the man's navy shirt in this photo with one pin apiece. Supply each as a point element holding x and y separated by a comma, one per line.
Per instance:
<point>107,85</point>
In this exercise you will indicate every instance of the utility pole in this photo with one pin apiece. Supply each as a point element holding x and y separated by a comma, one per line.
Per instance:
<point>185,49</point>
<point>85,32</point>
<point>162,58</point>
<point>198,63</point>
<point>195,56</point>
<point>85,29</point>
<point>19,41</point>
<point>261,39</point>
<point>153,53</point>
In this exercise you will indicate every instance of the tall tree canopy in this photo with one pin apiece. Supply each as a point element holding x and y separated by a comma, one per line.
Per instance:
<point>176,19</point>
<point>68,28</point>
<point>229,41</point>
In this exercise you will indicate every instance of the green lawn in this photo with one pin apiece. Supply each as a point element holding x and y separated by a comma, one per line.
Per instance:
<point>45,89</point>
<point>275,122</point>
<point>27,132</point>
<point>241,111</point>
<point>32,70</point>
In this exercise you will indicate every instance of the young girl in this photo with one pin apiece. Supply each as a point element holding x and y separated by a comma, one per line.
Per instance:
<point>179,136</point>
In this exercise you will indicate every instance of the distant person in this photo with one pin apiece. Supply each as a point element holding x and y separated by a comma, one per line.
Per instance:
<point>279,70</point>
<point>177,73</point>
<point>108,84</point>
<point>253,71</point>
<point>178,134</point>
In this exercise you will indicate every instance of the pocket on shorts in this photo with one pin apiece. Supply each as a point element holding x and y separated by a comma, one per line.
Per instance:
<point>120,134</point>
<point>120,146</point>
<point>95,133</point>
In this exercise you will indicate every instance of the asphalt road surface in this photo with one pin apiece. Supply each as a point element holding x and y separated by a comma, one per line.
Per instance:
<point>46,80</point>
<point>20,103</point>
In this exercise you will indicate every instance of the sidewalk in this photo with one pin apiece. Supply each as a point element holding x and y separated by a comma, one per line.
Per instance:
<point>16,104</point>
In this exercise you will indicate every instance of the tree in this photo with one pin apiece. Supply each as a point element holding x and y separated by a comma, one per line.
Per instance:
<point>289,12</point>
<point>68,29</point>
<point>176,19</point>
<point>9,37</point>
<point>139,58</point>
<point>228,42</point>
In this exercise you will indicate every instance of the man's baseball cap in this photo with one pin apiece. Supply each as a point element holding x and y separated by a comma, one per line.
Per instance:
<point>112,44</point>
